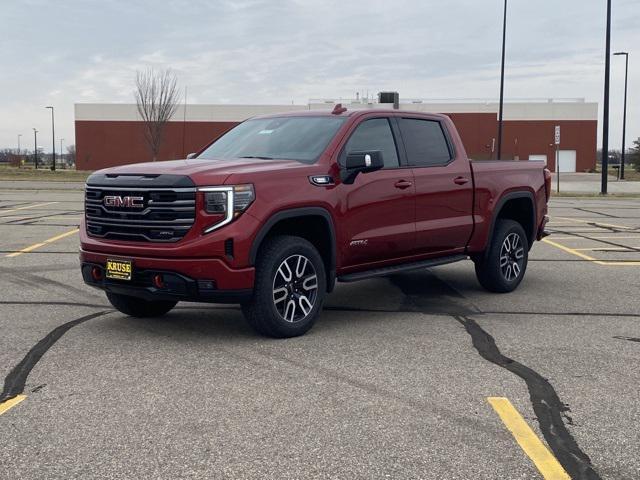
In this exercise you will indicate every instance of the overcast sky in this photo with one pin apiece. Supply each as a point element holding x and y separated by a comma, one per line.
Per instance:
<point>269,51</point>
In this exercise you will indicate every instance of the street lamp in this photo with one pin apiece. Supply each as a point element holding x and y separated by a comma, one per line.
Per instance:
<point>605,109</point>
<point>53,135</point>
<point>504,36</point>
<point>624,115</point>
<point>35,147</point>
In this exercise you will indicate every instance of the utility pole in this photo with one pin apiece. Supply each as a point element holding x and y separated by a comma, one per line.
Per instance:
<point>624,115</point>
<point>53,140</point>
<point>35,147</point>
<point>61,155</point>
<point>19,135</point>
<point>504,37</point>
<point>605,113</point>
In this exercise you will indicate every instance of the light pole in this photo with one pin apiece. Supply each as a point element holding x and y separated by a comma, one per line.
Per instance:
<point>53,135</point>
<point>35,147</point>
<point>504,37</point>
<point>624,115</point>
<point>605,109</point>
<point>61,155</point>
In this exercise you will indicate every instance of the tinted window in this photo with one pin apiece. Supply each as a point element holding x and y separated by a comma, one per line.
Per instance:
<point>374,134</point>
<point>289,138</point>
<point>425,142</point>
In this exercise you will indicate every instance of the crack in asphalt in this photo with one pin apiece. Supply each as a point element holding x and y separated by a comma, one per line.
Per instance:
<point>550,411</point>
<point>419,297</point>
<point>631,339</point>
<point>51,303</point>
<point>21,277</point>
<point>548,407</point>
<point>608,215</point>
<point>30,220</point>
<point>15,381</point>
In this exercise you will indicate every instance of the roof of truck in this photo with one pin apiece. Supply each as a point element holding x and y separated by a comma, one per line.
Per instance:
<point>346,113</point>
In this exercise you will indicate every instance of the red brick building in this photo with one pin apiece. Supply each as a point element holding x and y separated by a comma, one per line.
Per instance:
<point>112,134</point>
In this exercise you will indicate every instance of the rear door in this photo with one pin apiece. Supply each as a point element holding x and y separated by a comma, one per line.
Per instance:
<point>379,208</point>
<point>444,187</point>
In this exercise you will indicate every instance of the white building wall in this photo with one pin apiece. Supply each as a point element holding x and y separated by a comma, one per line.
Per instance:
<point>551,110</point>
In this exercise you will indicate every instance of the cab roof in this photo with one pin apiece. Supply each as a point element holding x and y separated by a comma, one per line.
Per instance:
<point>347,113</point>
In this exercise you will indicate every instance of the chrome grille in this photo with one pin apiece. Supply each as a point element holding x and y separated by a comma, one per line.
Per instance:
<point>166,214</point>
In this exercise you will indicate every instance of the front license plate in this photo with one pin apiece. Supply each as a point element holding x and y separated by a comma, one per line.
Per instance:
<point>119,269</point>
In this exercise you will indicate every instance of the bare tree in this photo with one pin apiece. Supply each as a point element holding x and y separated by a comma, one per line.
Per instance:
<point>71,154</point>
<point>157,99</point>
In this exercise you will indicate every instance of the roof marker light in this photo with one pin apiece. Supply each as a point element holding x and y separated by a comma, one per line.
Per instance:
<point>338,109</point>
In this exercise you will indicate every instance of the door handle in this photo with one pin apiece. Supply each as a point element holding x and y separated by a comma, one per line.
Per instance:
<point>403,184</point>
<point>460,180</point>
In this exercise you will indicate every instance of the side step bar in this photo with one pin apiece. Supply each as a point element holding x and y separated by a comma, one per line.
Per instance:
<point>381,272</point>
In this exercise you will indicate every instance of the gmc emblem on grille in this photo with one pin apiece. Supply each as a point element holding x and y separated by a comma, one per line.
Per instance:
<point>127,202</point>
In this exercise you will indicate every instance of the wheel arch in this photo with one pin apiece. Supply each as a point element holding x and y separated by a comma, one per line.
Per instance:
<point>518,206</point>
<point>320,232</point>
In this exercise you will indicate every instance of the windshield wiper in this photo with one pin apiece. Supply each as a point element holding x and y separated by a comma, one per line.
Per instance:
<point>257,156</point>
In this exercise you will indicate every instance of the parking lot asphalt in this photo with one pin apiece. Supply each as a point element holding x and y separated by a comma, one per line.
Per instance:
<point>394,381</point>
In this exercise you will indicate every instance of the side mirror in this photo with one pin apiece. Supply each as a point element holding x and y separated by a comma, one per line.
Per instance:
<point>191,155</point>
<point>360,162</point>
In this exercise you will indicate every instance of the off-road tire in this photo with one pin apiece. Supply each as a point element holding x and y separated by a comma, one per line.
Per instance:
<point>264,311</point>
<point>492,271</point>
<point>137,307</point>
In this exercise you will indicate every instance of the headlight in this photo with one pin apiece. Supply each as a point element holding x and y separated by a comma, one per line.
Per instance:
<point>228,200</point>
<point>243,196</point>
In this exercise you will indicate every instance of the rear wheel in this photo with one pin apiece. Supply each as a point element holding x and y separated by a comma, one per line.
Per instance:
<point>137,307</point>
<point>502,267</point>
<point>289,288</point>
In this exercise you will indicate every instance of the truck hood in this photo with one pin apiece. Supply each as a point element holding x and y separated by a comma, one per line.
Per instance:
<point>206,172</point>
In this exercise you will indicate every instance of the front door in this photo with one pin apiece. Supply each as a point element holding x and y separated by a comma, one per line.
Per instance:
<point>379,206</point>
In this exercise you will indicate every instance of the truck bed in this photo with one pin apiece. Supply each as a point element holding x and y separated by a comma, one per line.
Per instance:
<point>493,179</point>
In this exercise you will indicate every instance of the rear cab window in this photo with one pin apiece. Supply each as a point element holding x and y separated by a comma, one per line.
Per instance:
<point>425,142</point>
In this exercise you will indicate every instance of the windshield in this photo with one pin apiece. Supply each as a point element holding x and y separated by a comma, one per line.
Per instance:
<point>288,138</point>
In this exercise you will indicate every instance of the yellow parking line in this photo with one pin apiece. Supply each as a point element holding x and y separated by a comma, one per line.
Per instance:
<point>569,250</point>
<point>607,249</point>
<point>28,206</point>
<point>12,402</point>
<point>575,252</point>
<point>539,454</point>
<point>38,245</point>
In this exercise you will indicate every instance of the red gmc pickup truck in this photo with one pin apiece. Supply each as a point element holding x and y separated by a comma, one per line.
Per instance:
<point>275,211</point>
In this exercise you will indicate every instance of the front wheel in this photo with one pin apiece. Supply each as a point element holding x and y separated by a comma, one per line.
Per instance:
<point>137,307</point>
<point>502,267</point>
<point>289,288</point>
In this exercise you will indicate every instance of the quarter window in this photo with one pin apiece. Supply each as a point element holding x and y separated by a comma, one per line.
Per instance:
<point>374,134</point>
<point>424,142</point>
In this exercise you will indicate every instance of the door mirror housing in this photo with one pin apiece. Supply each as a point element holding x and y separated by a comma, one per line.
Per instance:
<point>191,155</point>
<point>360,162</point>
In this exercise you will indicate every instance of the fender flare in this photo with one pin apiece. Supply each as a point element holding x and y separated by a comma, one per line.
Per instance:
<point>294,213</point>
<point>496,211</point>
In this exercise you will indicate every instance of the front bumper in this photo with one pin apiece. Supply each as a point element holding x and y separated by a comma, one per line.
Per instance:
<point>192,280</point>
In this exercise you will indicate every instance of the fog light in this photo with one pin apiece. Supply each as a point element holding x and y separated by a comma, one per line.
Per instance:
<point>96,273</point>
<point>158,281</point>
